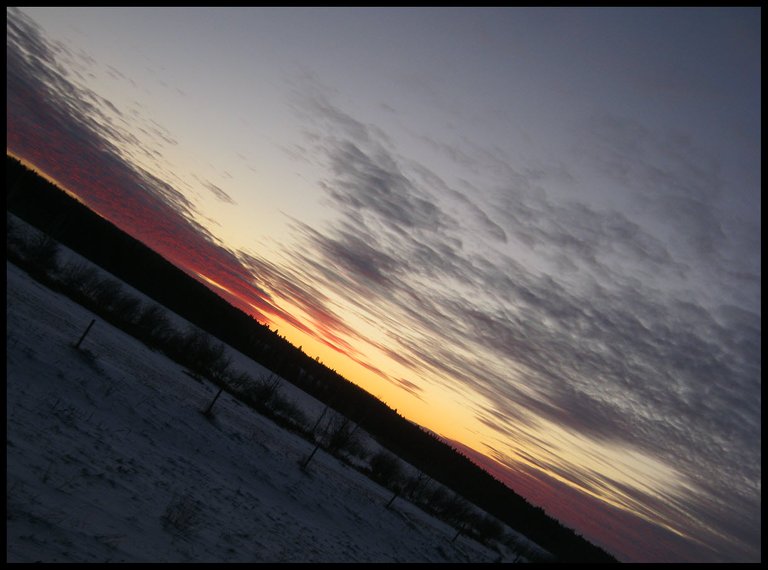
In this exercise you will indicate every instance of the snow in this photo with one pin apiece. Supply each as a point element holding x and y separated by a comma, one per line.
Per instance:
<point>110,459</point>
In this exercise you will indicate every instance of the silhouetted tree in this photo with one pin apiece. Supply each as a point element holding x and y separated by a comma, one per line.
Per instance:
<point>203,356</point>
<point>106,293</point>
<point>387,470</point>
<point>43,253</point>
<point>153,324</point>
<point>341,435</point>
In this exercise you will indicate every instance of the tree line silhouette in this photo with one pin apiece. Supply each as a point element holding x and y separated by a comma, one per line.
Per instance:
<point>47,207</point>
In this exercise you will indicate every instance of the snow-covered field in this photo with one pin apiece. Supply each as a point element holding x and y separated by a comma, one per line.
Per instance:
<point>110,459</point>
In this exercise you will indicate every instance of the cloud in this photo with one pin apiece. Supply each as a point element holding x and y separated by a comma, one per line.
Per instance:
<point>467,207</point>
<point>610,526</point>
<point>351,254</point>
<point>680,189</point>
<point>64,130</point>
<point>219,193</point>
<point>299,289</point>
<point>595,342</point>
<point>411,387</point>
<point>371,184</point>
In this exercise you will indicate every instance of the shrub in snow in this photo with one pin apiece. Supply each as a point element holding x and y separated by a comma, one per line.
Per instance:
<point>260,393</point>
<point>203,356</point>
<point>238,381</point>
<point>289,411</point>
<point>417,488</point>
<point>387,470</point>
<point>341,436</point>
<point>457,509</point>
<point>14,240</point>
<point>490,528</point>
<point>81,278</point>
<point>106,293</point>
<point>153,325</point>
<point>127,308</point>
<point>437,500</point>
<point>263,394</point>
<point>43,252</point>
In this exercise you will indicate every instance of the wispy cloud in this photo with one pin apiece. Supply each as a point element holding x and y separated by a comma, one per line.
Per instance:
<point>66,131</point>
<point>598,347</point>
<point>219,193</point>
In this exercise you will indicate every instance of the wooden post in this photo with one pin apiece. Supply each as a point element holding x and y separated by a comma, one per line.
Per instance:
<point>85,333</point>
<point>317,423</point>
<point>207,412</point>
<point>304,465</point>
<point>461,528</point>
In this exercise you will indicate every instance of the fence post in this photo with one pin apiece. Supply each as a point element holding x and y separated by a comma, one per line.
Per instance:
<point>317,423</point>
<point>85,333</point>
<point>311,455</point>
<point>207,411</point>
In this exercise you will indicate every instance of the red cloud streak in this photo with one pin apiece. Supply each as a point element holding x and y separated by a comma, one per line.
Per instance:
<point>621,532</point>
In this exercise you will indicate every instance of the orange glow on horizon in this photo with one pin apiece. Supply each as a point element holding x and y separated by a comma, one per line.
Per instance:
<point>436,412</point>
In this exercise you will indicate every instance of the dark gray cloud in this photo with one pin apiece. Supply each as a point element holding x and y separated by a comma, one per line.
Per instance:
<point>372,267</point>
<point>680,187</point>
<point>408,386</point>
<point>373,184</point>
<point>613,355</point>
<point>219,193</point>
<point>468,208</point>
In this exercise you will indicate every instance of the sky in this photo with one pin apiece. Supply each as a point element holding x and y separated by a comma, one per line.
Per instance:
<point>535,232</point>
